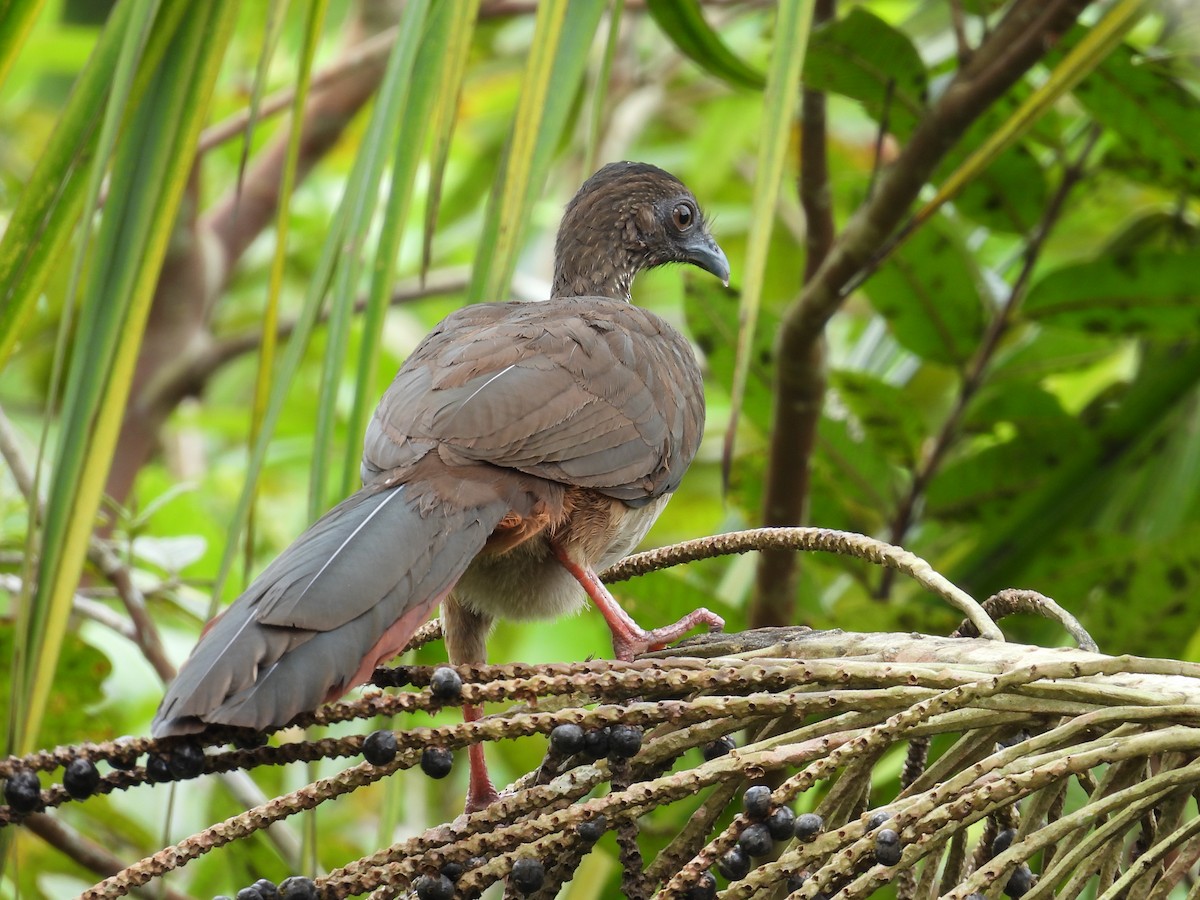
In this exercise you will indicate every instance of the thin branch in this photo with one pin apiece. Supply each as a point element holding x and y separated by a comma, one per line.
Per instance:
<point>62,837</point>
<point>978,366</point>
<point>1023,36</point>
<point>144,632</point>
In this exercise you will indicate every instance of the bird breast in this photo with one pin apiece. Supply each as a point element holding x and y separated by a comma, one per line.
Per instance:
<point>527,581</point>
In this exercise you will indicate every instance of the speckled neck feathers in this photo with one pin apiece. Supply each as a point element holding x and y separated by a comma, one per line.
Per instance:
<point>603,240</point>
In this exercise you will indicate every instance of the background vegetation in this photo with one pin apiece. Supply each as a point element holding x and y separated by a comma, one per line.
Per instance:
<point>199,306</point>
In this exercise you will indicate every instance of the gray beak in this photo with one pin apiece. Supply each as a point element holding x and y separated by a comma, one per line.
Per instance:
<point>704,252</point>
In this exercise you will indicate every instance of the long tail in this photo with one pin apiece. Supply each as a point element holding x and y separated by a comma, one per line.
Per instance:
<point>355,584</point>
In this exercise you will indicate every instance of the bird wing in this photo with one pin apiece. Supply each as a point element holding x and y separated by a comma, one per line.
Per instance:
<point>590,392</point>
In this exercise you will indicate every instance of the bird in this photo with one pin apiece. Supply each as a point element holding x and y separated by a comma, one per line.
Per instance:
<point>521,449</point>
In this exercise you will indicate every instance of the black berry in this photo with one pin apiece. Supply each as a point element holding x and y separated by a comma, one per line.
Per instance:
<point>124,762</point>
<point>1019,882</point>
<point>446,684</point>
<point>528,875</point>
<point>887,847</point>
<point>735,864</point>
<point>297,887</point>
<point>781,823</point>
<point>379,747</point>
<point>81,778</point>
<point>566,740</point>
<point>592,829</point>
<point>267,888</point>
<point>877,819</point>
<point>1013,739</point>
<point>624,741</point>
<point>756,802</point>
<point>434,887</point>
<point>756,840</point>
<point>452,870</point>
<point>795,881</point>
<point>809,826</point>
<point>1003,841</point>
<point>704,889</point>
<point>186,760</point>
<point>476,861</point>
<point>595,743</point>
<point>157,768</point>
<point>249,893</point>
<point>23,791</point>
<point>436,762</point>
<point>719,747</point>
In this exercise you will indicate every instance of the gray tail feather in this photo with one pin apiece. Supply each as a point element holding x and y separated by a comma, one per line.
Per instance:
<point>305,625</point>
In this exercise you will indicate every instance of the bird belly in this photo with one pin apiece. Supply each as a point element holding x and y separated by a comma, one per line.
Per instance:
<point>528,582</point>
<point>524,583</point>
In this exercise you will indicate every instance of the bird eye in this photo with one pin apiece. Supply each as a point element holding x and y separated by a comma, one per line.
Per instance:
<point>683,216</point>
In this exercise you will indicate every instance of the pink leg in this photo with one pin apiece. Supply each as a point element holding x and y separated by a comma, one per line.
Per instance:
<point>629,638</point>
<point>481,792</point>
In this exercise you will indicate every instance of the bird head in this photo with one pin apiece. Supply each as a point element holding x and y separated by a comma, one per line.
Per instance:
<point>627,217</point>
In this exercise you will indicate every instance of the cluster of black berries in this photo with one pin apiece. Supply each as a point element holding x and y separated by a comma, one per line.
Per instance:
<point>527,875</point>
<point>380,748</point>
<point>81,778</point>
<point>1022,878</point>
<point>295,888</point>
<point>612,741</point>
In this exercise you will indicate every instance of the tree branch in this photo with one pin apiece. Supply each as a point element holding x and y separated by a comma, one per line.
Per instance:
<point>776,566</point>
<point>977,368</point>
<point>1022,37</point>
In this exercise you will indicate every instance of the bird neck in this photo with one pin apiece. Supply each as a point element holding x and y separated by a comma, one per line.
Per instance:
<point>586,265</point>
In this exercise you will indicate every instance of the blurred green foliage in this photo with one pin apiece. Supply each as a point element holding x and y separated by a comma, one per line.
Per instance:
<point>1074,469</point>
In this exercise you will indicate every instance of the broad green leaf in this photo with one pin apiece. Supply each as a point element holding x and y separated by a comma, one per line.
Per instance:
<point>854,485</point>
<point>150,171</point>
<point>793,20</point>
<point>1156,117</point>
<point>929,293</point>
<point>883,411</point>
<point>1044,350</point>
<point>683,22</point>
<point>562,36</point>
<point>862,57</point>
<point>1150,293</point>
<point>1078,483</point>
<point>1009,195</point>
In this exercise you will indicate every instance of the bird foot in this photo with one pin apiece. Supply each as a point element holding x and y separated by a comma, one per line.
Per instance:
<point>630,640</point>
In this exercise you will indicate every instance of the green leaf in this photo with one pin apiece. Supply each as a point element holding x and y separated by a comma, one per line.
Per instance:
<point>362,192</point>
<point>1079,484</point>
<point>1150,293</point>
<point>882,410</point>
<point>16,21</point>
<point>562,37</point>
<point>928,291</point>
<point>150,171</point>
<point>862,57</point>
<point>683,22</point>
<point>429,72</point>
<point>1156,117</point>
<point>711,313</point>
